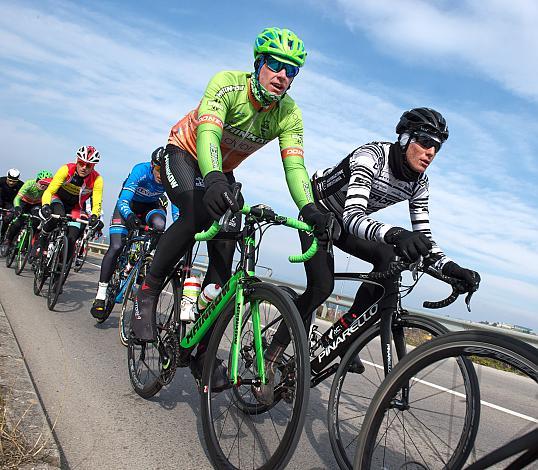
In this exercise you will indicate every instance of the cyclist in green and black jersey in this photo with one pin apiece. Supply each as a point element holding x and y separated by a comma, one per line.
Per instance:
<point>239,113</point>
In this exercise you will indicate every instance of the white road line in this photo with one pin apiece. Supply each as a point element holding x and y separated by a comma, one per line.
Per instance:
<point>461,395</point>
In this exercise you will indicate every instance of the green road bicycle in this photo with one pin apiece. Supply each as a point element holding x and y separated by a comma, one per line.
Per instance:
<point>239,432</point>
<point>21,250</point>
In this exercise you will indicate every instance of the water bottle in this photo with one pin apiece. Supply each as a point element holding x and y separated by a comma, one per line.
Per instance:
<point>191,291</point>
<point>208,294</point>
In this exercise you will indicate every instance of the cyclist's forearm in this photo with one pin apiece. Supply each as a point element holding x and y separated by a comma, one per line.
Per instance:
<point>208,148</point>
<point>298,181</point>
<point>97,196</point>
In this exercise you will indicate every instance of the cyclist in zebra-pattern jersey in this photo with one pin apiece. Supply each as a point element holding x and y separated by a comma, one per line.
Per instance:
<point>373,177</point>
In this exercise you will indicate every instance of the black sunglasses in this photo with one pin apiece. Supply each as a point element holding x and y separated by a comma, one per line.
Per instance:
<point>427,141</point>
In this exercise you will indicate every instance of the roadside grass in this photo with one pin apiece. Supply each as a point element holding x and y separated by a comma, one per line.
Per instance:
<point>15,450</point>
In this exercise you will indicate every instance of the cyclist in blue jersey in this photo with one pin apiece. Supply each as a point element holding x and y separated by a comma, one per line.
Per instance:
<point>141,201</point>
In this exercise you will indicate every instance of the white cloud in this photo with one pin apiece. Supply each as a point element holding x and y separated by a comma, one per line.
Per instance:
<point>66,81</point>
<point>494,38</point>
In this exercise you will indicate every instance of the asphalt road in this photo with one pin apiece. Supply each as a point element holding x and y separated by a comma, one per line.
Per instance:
<point>80,372</point>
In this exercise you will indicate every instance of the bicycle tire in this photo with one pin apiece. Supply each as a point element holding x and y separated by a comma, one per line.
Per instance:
<point>10,255</point>
<point>147,381</point>
<point>344,423</point>
<point>286,431</point>
<point>124,321</point>
<point>84,247</point>
<point>57,272</point>
<point>518,354</point>
<point>22,257</point>
<point>39,274</point>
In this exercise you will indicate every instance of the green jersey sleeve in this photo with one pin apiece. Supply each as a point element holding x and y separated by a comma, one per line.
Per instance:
<point>291,150</point>
<point>212,116</point>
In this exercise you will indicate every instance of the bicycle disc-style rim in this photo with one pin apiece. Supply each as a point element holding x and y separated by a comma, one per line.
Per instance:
<point>145,360</point>
<point>267,440</point>
<point>39,274</point>
<point>57,274</point>
<point>519,355</point>
<point>352,391</point>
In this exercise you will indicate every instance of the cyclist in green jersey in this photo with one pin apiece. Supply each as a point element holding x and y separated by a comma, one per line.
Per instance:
<point>239,113</point>
<point>27,200</point>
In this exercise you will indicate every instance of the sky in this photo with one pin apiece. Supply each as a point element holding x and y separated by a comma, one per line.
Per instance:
<point>118,75</point>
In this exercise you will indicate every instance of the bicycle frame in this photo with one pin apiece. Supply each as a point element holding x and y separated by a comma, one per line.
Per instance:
<point>236,286</point>
<point>136,268</point>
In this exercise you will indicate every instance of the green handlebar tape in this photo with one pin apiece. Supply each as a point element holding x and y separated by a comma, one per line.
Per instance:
<point>308,254</point>
<point>208,234</point>
<point>297,224</point>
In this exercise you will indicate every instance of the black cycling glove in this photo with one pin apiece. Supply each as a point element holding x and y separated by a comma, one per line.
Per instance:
<point>17,211</point>
<point>408,244</point>
<point>326,227</point>
<point>45,212</point>
<point>470,277</point>
<point>219,197</point>
<point>93,221</point>
<point>132,222</point>
<point>98,226</point>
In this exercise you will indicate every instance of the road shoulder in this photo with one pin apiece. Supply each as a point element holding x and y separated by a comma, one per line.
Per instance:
<point>23,407</point>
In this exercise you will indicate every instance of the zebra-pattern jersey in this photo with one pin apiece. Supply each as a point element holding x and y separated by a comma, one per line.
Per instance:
<point>363,183</point>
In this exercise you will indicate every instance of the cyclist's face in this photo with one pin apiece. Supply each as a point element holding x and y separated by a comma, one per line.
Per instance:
<point>11,182</point>
<point>157,173</point>
<point>274,82</point>
<point>419,157</point>
<point>84,168</point>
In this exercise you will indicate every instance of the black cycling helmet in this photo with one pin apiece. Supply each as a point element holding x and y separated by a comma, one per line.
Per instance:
<point>157,156</point>
<point>423,119</point>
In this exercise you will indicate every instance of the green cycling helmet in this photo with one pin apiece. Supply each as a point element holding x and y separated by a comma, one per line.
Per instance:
<point>281,43</point>
<point>43,174</point>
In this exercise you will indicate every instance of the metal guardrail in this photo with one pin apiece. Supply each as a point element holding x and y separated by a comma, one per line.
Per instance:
<point>453,324</point>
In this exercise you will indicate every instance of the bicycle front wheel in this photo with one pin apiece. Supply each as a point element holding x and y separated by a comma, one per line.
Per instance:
<point>57,272</point>
<point>24,252</point>
<point>235,435</point>
<point>361,372</point>
<point>153,365</point>
<point>390,439</point>
<point>39,273</point>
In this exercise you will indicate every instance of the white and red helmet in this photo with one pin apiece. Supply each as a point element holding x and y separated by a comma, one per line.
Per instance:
<point>88,154</point>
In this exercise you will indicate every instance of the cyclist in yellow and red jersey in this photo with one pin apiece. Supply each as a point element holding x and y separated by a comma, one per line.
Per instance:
<point>69,189</point>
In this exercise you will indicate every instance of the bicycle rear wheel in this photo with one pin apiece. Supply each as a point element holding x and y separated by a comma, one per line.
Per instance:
<point>24,252</point>
<point>356,382</point>
<point>235,436</point>
<point>386,439</point>
<point>58,271</point>
<point>152,365</point>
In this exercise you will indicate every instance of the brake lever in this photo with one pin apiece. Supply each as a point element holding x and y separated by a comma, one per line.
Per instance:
<point>468,300</point>
<point>415,268</point>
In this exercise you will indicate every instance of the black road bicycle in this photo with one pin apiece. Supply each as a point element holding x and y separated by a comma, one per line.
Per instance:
<point>367,346</point>
<point>393,433</point>
<point>239,432</point>
<point>22,248</point>
<point>55,264</point>
<point>81,248</point>
<point>131,269</point>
